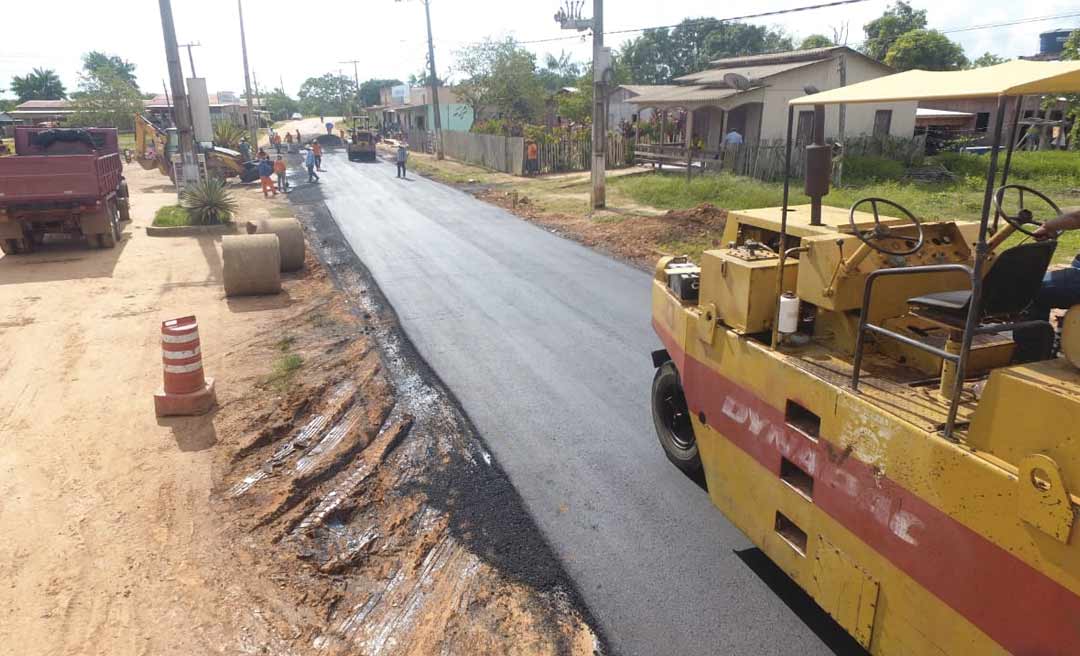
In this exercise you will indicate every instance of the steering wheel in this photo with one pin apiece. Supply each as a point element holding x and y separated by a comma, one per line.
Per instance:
<point>1024,217</point>
<point>882,231</point>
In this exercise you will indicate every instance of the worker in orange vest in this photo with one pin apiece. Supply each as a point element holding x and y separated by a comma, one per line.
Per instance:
<point>316,148</point>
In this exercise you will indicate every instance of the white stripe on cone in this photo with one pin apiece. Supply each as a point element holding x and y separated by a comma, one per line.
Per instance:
<point>182,355</point>
<point>182,368</point>
<point>179,339</point>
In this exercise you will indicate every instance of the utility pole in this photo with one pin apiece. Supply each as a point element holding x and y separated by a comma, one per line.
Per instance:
<point>252,126</point>
<point>191,59</point>
<point>434,81</point>
<point>189,163</point>
<point>569,17</point>
<point>255,82</point>
<point>356,80</point>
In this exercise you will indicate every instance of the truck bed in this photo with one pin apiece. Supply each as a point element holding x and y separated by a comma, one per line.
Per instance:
<point>32,179</point>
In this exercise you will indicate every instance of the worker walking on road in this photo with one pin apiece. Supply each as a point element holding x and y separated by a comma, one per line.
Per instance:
<point>401,157</point>
<point>279,171</point>
<point>275,139</point>
<point>288,142</point>
<point>309,162</point>
<point>266,169</point>
<point>299,139</point>
<point>330,128</point>
<point>316,148</point>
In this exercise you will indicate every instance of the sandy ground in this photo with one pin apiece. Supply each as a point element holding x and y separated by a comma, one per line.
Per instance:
<point>301,516</point>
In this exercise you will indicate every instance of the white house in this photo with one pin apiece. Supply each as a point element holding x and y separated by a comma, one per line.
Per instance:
<point>751,94</point>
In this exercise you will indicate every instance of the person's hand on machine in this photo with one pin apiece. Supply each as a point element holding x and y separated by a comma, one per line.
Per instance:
<point>1052,228</point>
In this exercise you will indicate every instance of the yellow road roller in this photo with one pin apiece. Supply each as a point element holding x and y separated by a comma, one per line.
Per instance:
<point>875,402</point>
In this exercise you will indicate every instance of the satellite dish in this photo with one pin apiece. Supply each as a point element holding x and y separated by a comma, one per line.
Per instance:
<point>810,90</point>
<point>737,81</point>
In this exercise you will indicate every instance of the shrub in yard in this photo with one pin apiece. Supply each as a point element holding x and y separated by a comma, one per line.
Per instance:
<point>863,168</point>
<point>228,135</point>
<point>171,216</point>
<point>208,203</point>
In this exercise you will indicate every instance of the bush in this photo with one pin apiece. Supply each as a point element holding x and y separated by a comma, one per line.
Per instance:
<point>864,168</point>
<point>228,134</point>
<point>1055,165</point>
<point>171,216</point>
<point>208,203</point>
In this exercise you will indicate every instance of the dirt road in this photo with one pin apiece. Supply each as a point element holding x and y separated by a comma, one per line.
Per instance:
<point>256,529</point>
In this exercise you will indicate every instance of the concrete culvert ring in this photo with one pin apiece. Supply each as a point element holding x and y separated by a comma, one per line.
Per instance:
<point>290,238</point>
<point>251,265</point>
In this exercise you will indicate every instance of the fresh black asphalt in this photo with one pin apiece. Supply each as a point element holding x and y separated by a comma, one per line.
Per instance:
<point>545,344</point>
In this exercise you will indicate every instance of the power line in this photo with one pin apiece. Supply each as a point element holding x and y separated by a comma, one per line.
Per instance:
<point>763,14</point>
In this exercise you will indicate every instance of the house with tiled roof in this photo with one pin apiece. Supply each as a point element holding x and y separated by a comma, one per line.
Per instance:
<point>750,96</point>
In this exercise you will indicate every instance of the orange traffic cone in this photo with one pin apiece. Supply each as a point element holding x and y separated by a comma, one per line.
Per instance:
<point>186,391</point>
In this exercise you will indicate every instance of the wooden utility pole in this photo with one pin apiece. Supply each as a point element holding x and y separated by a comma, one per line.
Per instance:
<point>253,131</point>
<point>434,80</point>
<point>189,162</point>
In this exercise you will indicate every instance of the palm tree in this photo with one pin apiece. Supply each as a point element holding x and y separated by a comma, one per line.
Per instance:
<point>39,84</point>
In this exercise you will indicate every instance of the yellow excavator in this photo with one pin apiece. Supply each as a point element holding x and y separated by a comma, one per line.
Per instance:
<point>155,147</point>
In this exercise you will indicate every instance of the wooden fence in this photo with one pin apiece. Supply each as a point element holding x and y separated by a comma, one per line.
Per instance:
<point>507,154</point>
<point>764,160</point>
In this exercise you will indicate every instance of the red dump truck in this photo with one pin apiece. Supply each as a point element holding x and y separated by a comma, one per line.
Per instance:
<point>62,181</point>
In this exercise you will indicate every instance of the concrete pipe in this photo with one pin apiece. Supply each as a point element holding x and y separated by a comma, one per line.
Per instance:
<point>291,236</point>
<point>251,264</point>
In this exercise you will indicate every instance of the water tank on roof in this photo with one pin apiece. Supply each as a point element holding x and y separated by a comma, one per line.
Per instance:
<point>1052,43</point>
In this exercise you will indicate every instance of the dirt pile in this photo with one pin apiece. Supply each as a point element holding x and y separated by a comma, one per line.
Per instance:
<point>633,237</point>
<point>374,510</point>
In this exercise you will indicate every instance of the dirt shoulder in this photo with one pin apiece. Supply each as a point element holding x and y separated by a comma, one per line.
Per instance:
<point>625,229</point>
<point>323,507</point>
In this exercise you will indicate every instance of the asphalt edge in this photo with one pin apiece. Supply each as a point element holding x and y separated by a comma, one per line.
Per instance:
<point>318,221</point>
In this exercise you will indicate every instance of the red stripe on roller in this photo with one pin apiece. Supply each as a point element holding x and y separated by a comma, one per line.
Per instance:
<point>1019,607</point>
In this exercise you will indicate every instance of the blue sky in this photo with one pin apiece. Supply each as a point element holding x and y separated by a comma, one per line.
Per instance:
<point>289,41</point>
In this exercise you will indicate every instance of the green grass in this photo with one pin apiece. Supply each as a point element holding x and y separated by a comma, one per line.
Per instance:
<point>1055,173</point>
<point>126,140</point>
<point>284,368</point>
<point>171,216</point>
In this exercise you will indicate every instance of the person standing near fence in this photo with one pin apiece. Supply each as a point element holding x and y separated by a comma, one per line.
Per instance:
<point>532,158</point>
<point>733,138</point>
<point>401,157</point>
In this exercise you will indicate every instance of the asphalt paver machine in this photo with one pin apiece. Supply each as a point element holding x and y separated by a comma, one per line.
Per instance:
<point>873,404</point>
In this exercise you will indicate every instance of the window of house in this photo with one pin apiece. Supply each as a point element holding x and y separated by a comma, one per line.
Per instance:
<point>882,122</point>
<point>982,121</point>
<point>805,132</point>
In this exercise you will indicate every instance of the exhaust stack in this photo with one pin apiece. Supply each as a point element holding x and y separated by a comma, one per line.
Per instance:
<point>818,166</point>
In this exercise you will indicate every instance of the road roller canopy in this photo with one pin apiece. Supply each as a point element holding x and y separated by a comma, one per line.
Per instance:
<point>1015,78</point>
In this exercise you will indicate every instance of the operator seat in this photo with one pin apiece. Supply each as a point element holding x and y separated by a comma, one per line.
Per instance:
<point>1009,288</point>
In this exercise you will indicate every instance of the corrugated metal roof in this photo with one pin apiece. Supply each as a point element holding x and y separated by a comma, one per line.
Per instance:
<point>667,94</point>
<point>1015,78</point>
<point>779,57</point>
<point>43,104</point>
<point>715,76</point>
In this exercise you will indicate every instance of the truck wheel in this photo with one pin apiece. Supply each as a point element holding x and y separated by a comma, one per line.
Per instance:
<point>671,418</point>
<point>125,209</point>
<point>112,234</point>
